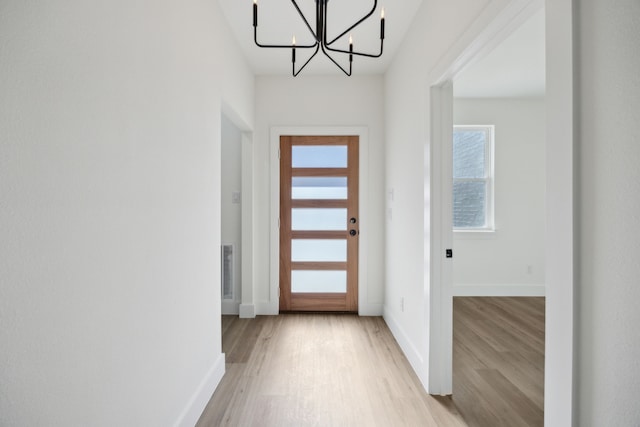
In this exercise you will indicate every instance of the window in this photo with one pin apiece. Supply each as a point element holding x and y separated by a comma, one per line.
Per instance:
<point>473,178</point>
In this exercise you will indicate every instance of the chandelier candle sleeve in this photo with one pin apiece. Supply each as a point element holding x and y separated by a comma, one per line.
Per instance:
<point>293,49</point>
<point>382,24</point>
<point>350,48</point>
<point>255,13</point>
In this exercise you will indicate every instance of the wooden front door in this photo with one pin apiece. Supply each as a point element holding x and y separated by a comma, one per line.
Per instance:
<point>319,223</point>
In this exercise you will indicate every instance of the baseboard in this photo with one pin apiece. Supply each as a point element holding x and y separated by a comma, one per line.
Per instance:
<point>247,311</point>
<point>370,310</point>
<point>410,351</point>
<point>230,308</point>
<point>267,308</point>
<point>498,290</point>
<point>202,395</point>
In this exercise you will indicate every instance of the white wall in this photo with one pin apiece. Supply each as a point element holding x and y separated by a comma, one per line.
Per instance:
<point>437,25</point>
<point>608,202</point>
<point>317,101</point>
<point>110,208</point>
<point>231,171</point>
<point>509,261</point>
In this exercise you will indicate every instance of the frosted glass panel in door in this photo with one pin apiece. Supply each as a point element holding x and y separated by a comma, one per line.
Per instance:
<point>318,219</point>
<point>319,188</point>
<point>318,281</point>
<point>318,250</point>
<point>319,156</point>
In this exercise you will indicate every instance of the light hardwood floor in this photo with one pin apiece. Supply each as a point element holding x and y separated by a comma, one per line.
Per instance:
<point>338,370</point>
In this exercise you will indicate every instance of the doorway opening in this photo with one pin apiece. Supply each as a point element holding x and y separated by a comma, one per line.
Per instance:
<point>231,216</point>
<point>499,192</point>
<point>447,111</point>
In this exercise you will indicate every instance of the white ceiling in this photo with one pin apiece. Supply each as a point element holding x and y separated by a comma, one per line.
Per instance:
<point>278,21</point>
<point>515,68</point>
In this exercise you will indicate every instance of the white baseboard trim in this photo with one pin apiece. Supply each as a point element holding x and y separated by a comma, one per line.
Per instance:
<point>202,395</point>
<point>247,311</point>
<point>370,310</point>
<point>499,290</point>
<point>410,351</point>
<point>230,307</point>
<point>267,308</point>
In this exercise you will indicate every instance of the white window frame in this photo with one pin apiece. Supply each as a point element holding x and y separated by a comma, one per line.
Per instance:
<point>489,226</point>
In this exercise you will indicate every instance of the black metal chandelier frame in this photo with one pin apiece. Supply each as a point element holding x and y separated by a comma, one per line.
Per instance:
<point>320,36</point>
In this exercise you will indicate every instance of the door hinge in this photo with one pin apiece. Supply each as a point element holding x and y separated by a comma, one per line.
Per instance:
<point>278,153</point>
<point>278,222</point>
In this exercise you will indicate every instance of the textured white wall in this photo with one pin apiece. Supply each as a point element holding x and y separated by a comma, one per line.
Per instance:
<point>317,101</point>
<point>110,208</point>
<point>608,200</point>
<point>503,258</point>
<point>231,181</point>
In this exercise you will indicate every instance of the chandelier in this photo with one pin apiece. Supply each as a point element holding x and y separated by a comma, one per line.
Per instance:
<point>320,35</point>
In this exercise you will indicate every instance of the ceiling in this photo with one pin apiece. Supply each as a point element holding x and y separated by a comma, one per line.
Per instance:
<point>278,21</point>
<point>515,68</point>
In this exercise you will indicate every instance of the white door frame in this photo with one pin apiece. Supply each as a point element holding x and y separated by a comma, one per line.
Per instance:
<point>441,276</point>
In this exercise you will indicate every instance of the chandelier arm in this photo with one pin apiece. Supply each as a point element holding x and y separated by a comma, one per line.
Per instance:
<point>327,44</point>
<point>368,55</point>
<point>335,62</point>
<point>293,65</point>
<point>295,4</point>
<point>279,46</point>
